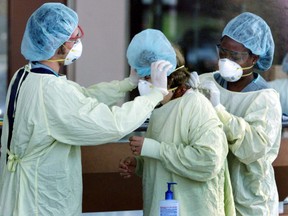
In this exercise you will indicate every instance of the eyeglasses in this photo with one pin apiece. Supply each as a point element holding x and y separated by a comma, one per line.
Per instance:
<point>76,38</point>
<point>232,55</point>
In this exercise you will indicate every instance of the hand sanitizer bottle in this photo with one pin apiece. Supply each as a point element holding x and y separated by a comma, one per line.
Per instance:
<point>169,206</point>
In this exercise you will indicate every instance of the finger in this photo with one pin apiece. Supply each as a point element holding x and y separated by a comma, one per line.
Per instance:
<point>210,86</point>
<point>194,78</point>
<point>206,85</point>
<point>123,170</point>
<point>136,141</point>
<point>135,138</point>
<point>157,64</point>
<point>123,167</point>
<point>164,66</point>
<point>167,68</point>
<point>136,153</point>
<point>135,148</point>
<point>132,150</point>
<point>124,164</point>
<point>125,175</point>
<point>131,138</point>
<point>127,162</point>
<point>121,163</point>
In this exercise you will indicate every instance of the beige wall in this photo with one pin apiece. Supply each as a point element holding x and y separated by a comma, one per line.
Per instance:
<point>104,45</point>
<point>105,23</point>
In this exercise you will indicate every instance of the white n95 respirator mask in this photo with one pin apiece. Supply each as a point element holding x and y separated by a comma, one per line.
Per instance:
<point>229,70</point>
<point>74,53</point>
<point>144,87</point>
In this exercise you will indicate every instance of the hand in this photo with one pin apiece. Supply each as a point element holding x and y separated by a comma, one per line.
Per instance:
<point>214,93</point>
<point>136,143</point>
<point>133,77</point>
<point>194,80</point>
<point>144,87</point>
<point>127,167</point>
<point>159,71</point>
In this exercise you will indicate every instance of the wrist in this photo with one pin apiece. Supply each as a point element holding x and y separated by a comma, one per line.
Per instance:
<point>133,81</point>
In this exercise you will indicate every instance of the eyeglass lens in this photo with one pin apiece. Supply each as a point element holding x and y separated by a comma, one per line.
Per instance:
<point>232,55</point>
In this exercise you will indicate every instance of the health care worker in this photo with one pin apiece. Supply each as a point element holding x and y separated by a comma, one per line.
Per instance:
<point>250,112</point>
<point>184,143</point>
<point>48,118</point>
<point>280,85</point>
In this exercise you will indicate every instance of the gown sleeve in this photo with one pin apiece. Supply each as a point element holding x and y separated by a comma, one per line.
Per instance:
<point>253,135</point>
<point>106,92</point>
<point>203,148</point>
<point>73,118</point>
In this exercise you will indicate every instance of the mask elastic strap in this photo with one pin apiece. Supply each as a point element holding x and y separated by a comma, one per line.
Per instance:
<point>247,74</point>
<point>55,60</point>
<point>173,89</point>
<point>246,68</point>
<point>178,68</point>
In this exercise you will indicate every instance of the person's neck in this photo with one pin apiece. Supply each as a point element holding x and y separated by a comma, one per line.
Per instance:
<point>53,65</point>
<point>240,84</point>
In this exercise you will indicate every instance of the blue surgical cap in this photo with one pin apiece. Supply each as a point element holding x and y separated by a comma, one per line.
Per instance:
<point>254,33</point>
<point>46,30</point>
<point>149,46</point>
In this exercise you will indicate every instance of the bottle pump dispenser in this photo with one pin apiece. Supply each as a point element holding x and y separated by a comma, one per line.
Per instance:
<point>169,206</point>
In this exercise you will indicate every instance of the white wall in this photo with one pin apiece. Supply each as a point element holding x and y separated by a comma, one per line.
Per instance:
<point>106,27</point>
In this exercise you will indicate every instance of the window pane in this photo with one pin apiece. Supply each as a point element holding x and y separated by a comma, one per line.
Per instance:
<point>197,25</point>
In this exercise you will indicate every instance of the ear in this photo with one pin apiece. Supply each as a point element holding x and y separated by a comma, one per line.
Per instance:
<point>61,50</point>
<point>183,89</point>
<point>255,59</point>
<point>180,91</point>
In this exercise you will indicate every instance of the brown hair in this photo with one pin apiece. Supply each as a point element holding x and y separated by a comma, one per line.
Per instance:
<point>181,75</point>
